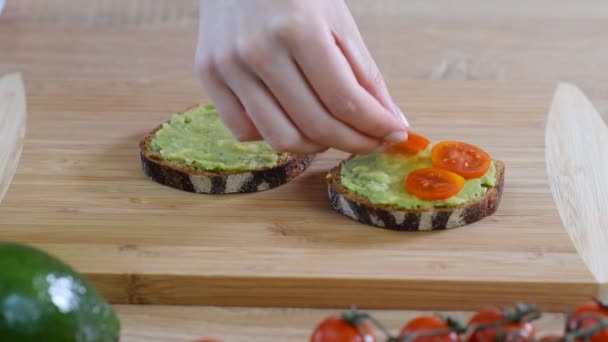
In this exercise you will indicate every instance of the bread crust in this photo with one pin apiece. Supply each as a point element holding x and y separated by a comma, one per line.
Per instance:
<point>361,209</point>
<point>189,179</point>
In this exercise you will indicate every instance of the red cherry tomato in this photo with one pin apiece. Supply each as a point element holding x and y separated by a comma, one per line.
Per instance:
<point>464,159</point>
<point>335,329</point>
<point>414,144</point>
<point>433,184</point>
<point>429,324</point>
<point>587,315</point>
<point>512,331</point>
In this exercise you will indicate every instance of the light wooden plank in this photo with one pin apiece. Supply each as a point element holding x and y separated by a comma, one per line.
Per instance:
<point>154,244</point>
<point>13,119</point>
<point>179,324</point>
<point>577,164</point>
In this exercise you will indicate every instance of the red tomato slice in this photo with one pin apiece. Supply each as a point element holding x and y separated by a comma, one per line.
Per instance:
<point>415,143</point>
<point>433,183</point>
<point>466,160</point>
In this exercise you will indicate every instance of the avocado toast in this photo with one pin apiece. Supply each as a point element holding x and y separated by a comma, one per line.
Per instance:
<point>195,152</point>
<point>376,189</point>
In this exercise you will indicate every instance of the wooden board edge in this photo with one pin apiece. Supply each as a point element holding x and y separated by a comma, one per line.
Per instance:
<point>334,293</point>
<point>13,120</point>
<point>178,323</point>
<point>603,291</point>
<point>577,165</point>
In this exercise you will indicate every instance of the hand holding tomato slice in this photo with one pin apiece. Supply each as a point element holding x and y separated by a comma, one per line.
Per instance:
<point>433,183</point>
<point>415,143</point>
<point>464,159</point>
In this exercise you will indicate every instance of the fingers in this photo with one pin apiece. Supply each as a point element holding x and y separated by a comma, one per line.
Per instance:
<point>290,88</point>
<point>352,45</point>
<point>228,105</point>
<point>334,82</point>
<point>368,74</point>
<point>266,114</point>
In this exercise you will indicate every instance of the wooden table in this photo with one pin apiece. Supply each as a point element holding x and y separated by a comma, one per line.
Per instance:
<point>96,48</point>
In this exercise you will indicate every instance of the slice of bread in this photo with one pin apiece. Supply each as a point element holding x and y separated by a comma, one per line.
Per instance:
<point>184,177</point>
<point>361,209</point>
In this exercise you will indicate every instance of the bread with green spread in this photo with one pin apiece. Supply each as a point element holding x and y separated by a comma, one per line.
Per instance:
<point>369,189</point>
<point>195,152</point>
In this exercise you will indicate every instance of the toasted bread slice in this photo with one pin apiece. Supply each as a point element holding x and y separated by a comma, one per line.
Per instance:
<point>361,209</point>
<point>184,177</point>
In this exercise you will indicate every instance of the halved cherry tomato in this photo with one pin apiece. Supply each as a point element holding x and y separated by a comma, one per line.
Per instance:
<point>550,338</point>
<point>466,160</point>
<point>336,329</point>
<point>587,315</point>
<point>510,331</point>
<point>414,144</point>
<point>429,324</point>
<point>433,183</point>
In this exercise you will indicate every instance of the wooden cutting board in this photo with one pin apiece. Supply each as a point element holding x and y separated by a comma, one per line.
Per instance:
<point>79,193</point>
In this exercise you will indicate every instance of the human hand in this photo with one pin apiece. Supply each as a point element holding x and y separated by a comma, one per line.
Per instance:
<point>296,74</point>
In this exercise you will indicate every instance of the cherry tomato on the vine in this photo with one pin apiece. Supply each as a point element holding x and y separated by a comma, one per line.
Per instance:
<point>430,329</point>
<point>513,331</point>
<point>337,329</point>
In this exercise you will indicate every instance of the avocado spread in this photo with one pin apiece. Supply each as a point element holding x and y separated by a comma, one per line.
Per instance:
<point>199,139</point>
<point>380,177</point>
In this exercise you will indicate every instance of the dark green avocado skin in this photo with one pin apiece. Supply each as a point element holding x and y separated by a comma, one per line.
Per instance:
<point>43,299</point>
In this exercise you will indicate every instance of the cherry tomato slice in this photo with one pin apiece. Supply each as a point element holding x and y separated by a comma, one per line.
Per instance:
<point>415,143</point>
<point>428,324</point>
<point>335,329</point>
<point>469,161</point>
<point>433,183</point>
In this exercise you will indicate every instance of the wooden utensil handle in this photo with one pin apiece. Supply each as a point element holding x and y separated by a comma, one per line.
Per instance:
<point>12,127</point>
<point>577,166</point>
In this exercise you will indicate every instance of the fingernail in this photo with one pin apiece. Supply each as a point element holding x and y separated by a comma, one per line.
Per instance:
<point>400,114</point>
<point>396,136</point>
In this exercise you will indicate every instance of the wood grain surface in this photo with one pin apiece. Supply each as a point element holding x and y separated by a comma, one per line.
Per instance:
<point>90,51</point>
<point>80,189</point>
<point>576,137</point>
<point>185,324</point>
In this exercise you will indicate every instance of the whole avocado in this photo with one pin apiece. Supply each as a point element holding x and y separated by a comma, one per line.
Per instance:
<point>43,299</point>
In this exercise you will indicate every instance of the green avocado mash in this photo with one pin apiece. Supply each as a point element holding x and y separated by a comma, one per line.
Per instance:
<point>199,139</point>
<point>380,177</point>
